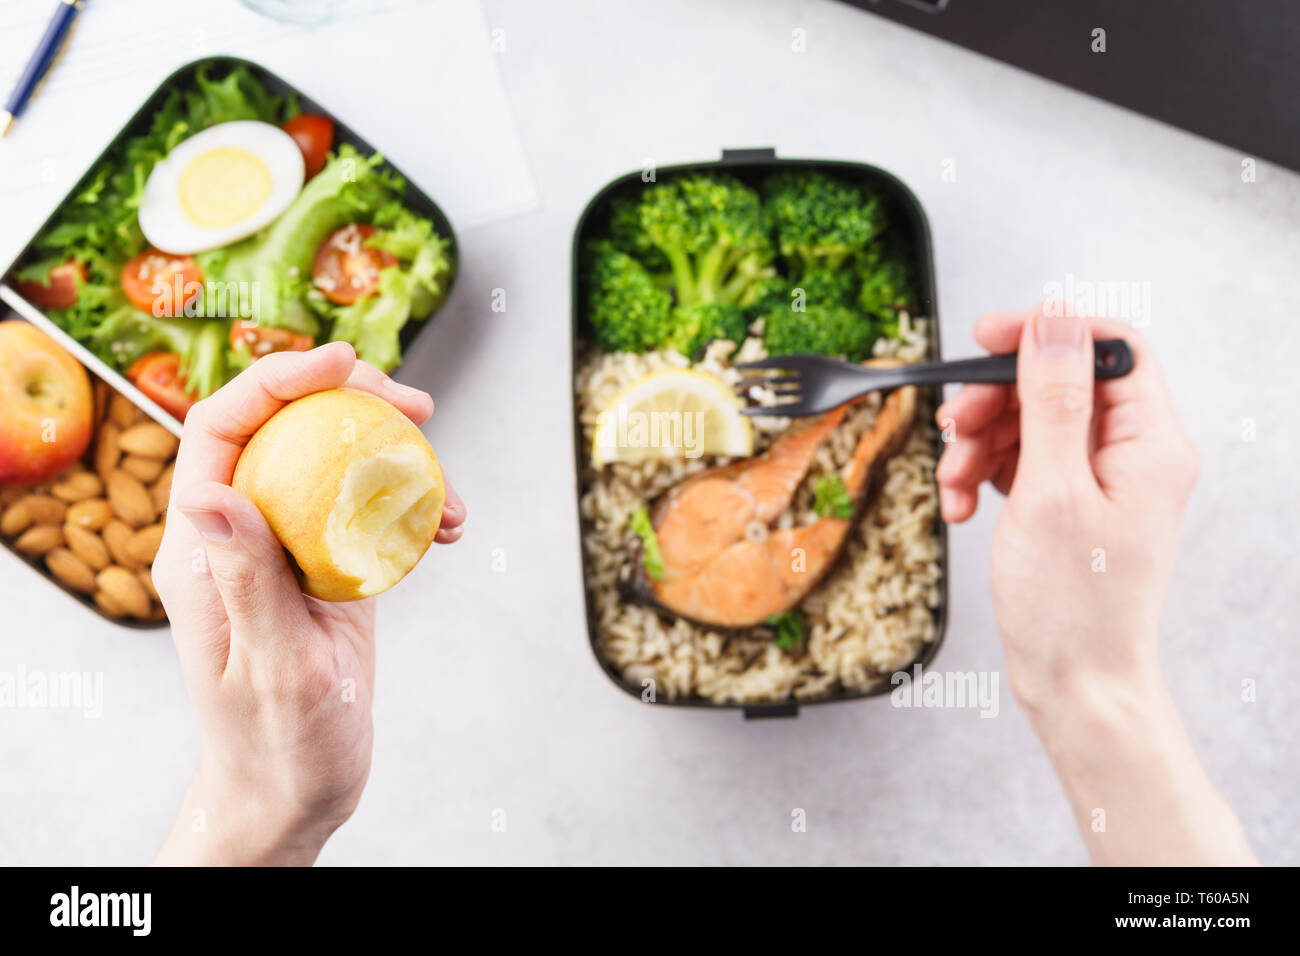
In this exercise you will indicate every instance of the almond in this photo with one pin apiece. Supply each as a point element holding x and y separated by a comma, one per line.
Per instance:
<point>109,605</point>
<point>146,578</point>
<point>116,535</point>
<point>148,440</point>
<point>101,399</point>
<point>142,548</point>
<point>106,451</point>
<point>142,469</point>
<point>125,589</point>
<point>87,545</point>
<point>78,486</point>
<point>45,509</point>
<point>130,499</point>
<point>121,412</point>
<point>9,494</point>
<point>91,514</point>
<point>70,570</point>
<point>162,488</point>
<point>40,539</point>
<point>16,519</point>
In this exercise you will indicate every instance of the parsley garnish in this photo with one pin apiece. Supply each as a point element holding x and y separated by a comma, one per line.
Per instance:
<point>831,499</point>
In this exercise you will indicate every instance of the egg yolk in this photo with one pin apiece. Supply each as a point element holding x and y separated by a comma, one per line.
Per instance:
<point>223,186</point>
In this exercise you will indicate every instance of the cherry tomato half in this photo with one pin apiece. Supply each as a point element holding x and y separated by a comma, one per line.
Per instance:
<point>263,340</point>
<point>345,268</point>
<point>59,290</point>
<point>158,375</point>
<point>161,283</point>
<point>314,136</point>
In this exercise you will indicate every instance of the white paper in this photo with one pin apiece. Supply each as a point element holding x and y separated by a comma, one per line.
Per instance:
<point>418,80</point>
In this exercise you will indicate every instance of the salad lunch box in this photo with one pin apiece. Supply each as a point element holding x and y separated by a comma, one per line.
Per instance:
<point>750,166</point>
<point>413,198</point>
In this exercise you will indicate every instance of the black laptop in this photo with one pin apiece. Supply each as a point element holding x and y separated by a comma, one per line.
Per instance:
<point>1225,69</point>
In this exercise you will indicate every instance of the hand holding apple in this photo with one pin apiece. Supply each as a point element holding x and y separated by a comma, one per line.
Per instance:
<point>349,486</point>
<point>281,681</point>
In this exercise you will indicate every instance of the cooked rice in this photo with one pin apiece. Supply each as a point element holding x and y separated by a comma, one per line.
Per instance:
<point>871,616</point>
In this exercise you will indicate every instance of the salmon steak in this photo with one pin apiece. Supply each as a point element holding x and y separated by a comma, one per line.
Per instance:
<point>725,563</point>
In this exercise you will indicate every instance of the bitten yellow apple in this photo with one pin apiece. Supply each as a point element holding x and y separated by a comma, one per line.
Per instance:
<point>350,487</point>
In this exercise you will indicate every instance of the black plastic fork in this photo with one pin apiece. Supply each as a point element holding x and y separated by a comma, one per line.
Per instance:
<point>817,383</point>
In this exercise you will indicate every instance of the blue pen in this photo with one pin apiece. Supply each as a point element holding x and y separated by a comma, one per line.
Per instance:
<point>46,52</point>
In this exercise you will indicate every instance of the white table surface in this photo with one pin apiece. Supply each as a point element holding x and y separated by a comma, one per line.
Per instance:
<point>488,696</point>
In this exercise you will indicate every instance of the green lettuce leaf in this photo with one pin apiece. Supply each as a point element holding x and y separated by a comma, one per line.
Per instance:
<point>412,289</point>
<point>127,333</point>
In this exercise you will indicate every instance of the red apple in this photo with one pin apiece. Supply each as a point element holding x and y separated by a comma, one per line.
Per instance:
<point>46,406</point>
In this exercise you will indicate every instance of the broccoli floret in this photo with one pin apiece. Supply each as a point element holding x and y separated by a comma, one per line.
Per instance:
<point>695,326</point>
<point>626,235</point>
<point>628,312</point>
<point>772,293</point>
<point>822,287</point>
<point>827,330</point>
<point>887,285</point>
<point>710,231</point>
<point>691,259</point>
<point>816,287</point>
<point>820,221</point>
<point>824,227</point>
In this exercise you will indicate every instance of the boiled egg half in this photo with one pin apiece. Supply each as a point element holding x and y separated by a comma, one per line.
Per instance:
<point>220,185</point>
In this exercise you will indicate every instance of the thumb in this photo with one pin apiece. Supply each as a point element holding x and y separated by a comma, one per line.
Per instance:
<point>1054,374</point>
<point>247,562</point>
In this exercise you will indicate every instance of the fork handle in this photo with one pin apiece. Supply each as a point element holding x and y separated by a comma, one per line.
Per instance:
<point>1112,358</point>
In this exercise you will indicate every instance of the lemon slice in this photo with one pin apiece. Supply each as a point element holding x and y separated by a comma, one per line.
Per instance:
<point>672,413</point>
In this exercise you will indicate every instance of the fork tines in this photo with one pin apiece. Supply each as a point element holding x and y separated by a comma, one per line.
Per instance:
<point>786,388</point>
<point>777,383</point>
<point>779,373</point>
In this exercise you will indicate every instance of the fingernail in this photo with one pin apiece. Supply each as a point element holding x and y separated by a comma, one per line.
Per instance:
<point>1059,336</point>
<point>211,524</point>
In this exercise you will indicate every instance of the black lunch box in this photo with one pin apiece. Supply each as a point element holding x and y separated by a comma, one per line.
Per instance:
<point>413,197</point>
<point>750,166</point>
